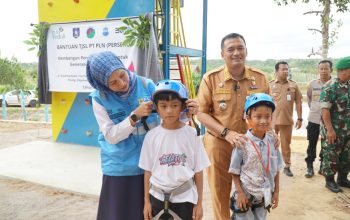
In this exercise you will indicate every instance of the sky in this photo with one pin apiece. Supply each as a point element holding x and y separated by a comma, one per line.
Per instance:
<point>270,31</point>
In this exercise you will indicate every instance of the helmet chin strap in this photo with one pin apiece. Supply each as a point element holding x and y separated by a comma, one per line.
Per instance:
<point>144,122</point>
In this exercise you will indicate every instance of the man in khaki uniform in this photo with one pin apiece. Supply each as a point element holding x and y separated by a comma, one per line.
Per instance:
<point>285,93</point>
<point>222,94</point>
<point>314,119</point>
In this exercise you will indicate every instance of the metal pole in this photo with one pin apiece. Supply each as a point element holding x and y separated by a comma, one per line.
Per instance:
<point>24,113</point>
<point>46,113</point>
<point>166,40</point>
<point>204,37</point>
<point>4,110</point>
<point>204,45</point>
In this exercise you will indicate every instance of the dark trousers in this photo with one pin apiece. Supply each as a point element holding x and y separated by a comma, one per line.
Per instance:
<point>183,210</point>
<point>121,198</point>
<point>313,132</point>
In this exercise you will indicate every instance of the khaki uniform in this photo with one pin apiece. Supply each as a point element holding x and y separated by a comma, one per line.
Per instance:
<point>313,127</point>
<point>223,98</point>
<point>284,94</point>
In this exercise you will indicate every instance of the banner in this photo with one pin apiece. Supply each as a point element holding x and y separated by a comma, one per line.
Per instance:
<point>70,44</point>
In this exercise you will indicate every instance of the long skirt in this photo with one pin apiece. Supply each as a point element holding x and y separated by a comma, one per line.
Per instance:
<point>122,198</point>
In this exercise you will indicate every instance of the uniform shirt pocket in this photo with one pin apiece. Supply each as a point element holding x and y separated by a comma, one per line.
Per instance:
<point>292,92</point>
<point>276,93</point>
<point>222,99</point>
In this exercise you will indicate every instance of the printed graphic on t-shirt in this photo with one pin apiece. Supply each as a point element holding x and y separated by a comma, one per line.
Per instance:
<point>173,159</point>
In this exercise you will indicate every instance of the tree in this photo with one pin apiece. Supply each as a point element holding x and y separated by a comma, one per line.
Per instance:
<point>38,37</point>
<point>326,18</point>
<point>12,75</point>
<point>136,32</point>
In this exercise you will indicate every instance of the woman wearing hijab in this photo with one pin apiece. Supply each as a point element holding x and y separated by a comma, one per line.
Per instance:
<point>121,98</point>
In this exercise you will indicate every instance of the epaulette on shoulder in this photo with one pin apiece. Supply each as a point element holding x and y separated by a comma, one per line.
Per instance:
<point>256,70</point>
<point>292,80</point>
<point>218,69</point>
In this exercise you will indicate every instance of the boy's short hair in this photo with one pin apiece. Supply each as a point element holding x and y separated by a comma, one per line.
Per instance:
<point>258,99</point>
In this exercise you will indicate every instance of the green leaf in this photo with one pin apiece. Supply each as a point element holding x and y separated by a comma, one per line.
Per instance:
<point>123,28</point>
<point>38,38</point>
<point>27,42</point>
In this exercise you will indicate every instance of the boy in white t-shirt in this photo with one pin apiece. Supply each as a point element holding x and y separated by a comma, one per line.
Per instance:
<point>255,167</point>
<point>173,158</point>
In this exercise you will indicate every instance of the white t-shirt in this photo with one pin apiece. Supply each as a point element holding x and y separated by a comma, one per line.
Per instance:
<point>173,157</point>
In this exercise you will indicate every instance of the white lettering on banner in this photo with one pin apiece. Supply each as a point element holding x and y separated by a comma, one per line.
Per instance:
<point>69,46</point>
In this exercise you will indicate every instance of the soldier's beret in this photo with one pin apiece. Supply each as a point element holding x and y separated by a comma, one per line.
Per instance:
<point>343,63</point>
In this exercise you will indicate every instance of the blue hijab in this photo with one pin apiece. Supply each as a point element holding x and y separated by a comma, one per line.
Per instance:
<point>99,68</point>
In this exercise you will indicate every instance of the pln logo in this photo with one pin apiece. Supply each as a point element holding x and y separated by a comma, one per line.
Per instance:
<point>76,32</point>
<point>90,33</point>
<point>105,31</point>
<point>58,33</point>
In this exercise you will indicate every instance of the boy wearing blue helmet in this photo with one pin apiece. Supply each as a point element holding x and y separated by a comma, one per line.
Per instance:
<point>255,167</point>
<point>173,158</point>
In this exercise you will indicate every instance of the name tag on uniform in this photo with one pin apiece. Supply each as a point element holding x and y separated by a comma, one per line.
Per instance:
<point>289,98</point>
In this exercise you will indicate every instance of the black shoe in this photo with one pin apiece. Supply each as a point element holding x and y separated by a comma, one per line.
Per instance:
<point>342,180</point>
<point>287,171</point>
<point>309,172</point>
<point>344,183</point>
<point>332,185</point>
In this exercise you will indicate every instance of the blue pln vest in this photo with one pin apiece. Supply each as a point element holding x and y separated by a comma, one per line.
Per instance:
<point>122,159</point>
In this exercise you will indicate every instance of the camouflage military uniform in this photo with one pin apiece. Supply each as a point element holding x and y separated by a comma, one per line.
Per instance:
<point>336,97</point>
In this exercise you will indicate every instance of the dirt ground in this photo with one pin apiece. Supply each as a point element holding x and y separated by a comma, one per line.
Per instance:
<point>300,198</point>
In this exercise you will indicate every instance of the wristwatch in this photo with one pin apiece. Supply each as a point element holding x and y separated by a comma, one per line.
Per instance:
<point>134,117</point>
<point>224,132</point>
<point>300,119</point>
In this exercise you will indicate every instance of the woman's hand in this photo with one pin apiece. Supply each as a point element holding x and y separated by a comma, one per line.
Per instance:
<point>144,109</point>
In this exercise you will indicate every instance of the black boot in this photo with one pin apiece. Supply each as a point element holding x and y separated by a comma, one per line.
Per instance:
<point>342,180</point>
<point>309,171</point>
<point>332,185</point>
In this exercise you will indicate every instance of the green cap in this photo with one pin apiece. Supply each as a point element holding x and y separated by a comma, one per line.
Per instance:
<point>343,63</point>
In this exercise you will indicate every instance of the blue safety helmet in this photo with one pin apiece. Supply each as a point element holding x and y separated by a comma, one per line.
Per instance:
<point>256,98</point>
<point>171,86</point>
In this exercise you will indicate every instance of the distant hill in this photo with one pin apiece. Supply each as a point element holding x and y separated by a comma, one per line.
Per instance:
<point>303,70</point>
